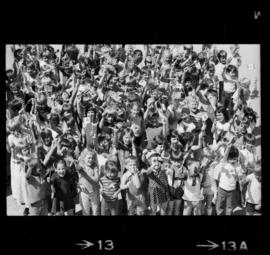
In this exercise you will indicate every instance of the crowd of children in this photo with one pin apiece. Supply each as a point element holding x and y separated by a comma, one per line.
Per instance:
<point>122,130</point>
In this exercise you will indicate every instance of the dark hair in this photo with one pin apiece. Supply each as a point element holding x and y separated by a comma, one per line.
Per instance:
<point>249,138</point>
<point>173,134</point>
<point>250,113</point>
<point>60,161</point>
<point>210,66</point>
<point>46,133</point>
<point>125,131</point>
<point>186,137</point>
<point>222,53</point>
<point>221,109</point>
<point>54,119</point>
<point>65,143</point>
<point>204,86</point>
<point>17,52</point>
<point>109,166</point>
<point>33,163</point>
<point>232,68</point>
<point>233,153</point>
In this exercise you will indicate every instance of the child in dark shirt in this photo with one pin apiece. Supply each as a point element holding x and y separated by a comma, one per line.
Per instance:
<point>64,183</point>
<point>110,189</point>
<point>37,189</point>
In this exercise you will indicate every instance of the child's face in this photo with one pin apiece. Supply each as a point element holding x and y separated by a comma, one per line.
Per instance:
<point>119,124</point>
<point>110,118</point>
<point>130,65</point>
<point>186,117</point>
<point>176,165</point>
<point>132,166</point>
<point>104,144</point>
<point>111,174</point>
<point>48,141</point>
<point>67,114</point>
<point>65,96</point>
<point>136,130</point>
<point>40,170</point>
<point>166,165</point>
<point>135,111</point>
<point>89,159</point>
<point>174,140</point>
<point>25,151</point>
<point>193,106</point>
<point>127,139</point>
<point>155,163</point>
<point>61,169</point>
<point>222,60</point>
<point>159,148</point>
<point>233,161</point>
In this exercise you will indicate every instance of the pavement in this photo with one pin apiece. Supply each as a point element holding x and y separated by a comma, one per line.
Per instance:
<point>250,68</point>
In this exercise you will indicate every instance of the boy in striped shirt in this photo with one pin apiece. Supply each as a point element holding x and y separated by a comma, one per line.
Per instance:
<point>110,188</point>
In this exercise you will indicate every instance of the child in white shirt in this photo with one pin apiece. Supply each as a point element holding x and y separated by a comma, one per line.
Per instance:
<point>253,193</point>
<point>192,190</point>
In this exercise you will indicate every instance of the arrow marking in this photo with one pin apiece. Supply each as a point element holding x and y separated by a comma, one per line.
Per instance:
<point>86,244</point>
<point>212,245</point>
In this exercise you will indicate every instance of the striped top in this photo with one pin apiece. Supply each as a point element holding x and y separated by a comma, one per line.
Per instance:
<point>109,187</point>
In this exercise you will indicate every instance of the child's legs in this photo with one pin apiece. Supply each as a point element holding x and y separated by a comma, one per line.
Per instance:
<point>140,210</point>
<point>123,203</point>
<point>85,203</point>
<point>15,180</point>
<point>39,208</point>
<point>95,203</point>
<point>207,203</point>
<point>104,208</point>
<point>177,206</point>
<point>197,207</point>
<point>229,201</point>
<point>171,205</point>
<point>153,209</point>
<point>131,205</point>
<point>114,208</point>
<point>70,212</point>
<point>250,209</point>
<point>163,208</point>
<point>221,201</point>
<point>188,207</point>
<point>24,190</point>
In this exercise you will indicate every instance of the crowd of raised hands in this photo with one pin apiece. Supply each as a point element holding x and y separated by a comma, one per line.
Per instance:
<point>127,130</point>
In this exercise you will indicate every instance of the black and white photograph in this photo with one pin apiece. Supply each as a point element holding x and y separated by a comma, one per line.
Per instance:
<point>133,129</point>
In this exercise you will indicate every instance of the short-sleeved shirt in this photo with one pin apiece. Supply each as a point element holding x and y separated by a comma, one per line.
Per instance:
<point>65,187</point>
<point>228,175</point>
<point>192,192</point>
<point>109,187</point>
<point>253,193</point>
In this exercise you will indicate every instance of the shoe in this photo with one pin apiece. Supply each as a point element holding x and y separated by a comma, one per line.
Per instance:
<point>26,212</point>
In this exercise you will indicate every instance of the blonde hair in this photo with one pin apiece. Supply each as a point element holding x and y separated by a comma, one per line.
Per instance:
<point>85,153</point>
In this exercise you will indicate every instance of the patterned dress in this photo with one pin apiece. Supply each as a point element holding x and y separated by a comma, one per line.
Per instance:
<point>158,188</point>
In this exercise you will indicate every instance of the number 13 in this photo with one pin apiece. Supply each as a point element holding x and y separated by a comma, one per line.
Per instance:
<point>108,245</point>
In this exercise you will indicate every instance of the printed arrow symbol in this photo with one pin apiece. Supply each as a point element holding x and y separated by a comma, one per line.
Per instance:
<point>212,245</point>
<point>86,244</point>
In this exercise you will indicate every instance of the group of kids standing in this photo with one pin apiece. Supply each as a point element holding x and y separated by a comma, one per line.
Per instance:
<point>124,131</point>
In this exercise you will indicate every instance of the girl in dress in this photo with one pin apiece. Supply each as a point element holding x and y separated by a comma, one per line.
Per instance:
<point>158,187</point>
<point>15,142</point>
